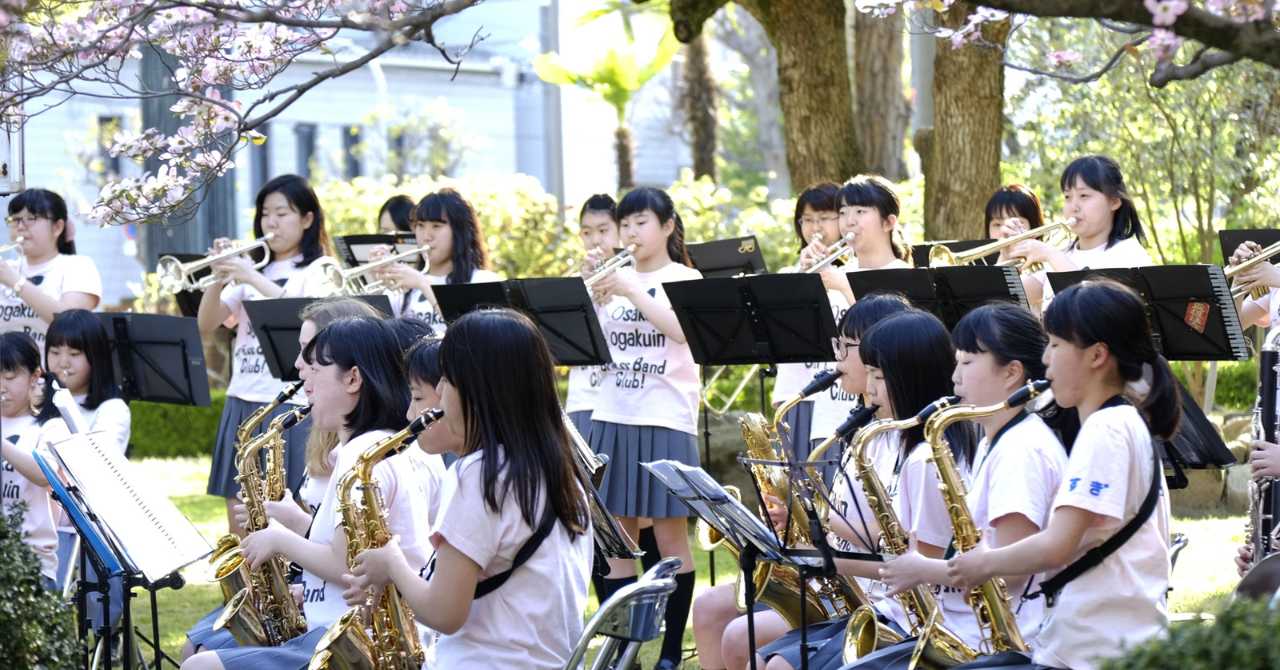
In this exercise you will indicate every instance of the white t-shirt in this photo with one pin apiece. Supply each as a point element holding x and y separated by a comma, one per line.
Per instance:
<point>653,380</point>
<point>832,406</point>
<point>111,417</point>
<point>1269,304</point>
<point>535,618</point>
<point>584,387</point>
<point>37,521</point>
<point>1120,603</point>
<point>1127,253</point>
<point>1020,475</point>
<point>62,274</point>
<point>416,303</point>
<point>251,379</point>
<point>848,498</point>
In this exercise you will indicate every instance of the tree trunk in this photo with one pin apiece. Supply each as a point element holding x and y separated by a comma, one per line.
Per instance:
<point>622,148</point>
<point>822,143</point>
<point>700,107</point>
<point>881,111</point>
<point>968,94</point>
<point>747,38</point>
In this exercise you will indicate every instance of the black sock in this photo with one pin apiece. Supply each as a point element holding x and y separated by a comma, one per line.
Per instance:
<point>649,545</point>
<point>677,617</point>
<point>611,586</point>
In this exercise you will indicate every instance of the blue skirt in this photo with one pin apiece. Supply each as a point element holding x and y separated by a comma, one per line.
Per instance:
<point>582,421</point>
<point>292,655</point>
<point>826,644</point>
<point>628,489</point>
<point>204,637</point>
<point>222,472</point>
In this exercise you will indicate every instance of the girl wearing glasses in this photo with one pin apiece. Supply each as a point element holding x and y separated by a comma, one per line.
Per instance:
<point>49,277</point>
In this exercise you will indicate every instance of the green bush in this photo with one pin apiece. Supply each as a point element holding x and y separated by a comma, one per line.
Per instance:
<point>168,431</point>
<point>1243,635</point>
<point>36,628</point>
<point>1237,384</point>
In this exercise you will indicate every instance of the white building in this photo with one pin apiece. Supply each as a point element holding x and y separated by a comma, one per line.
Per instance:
<point>563,137</point>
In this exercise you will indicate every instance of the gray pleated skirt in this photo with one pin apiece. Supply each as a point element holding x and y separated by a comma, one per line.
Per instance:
<point>582,421</point>
<point>222,471</point>
<point>203,637</point>
<point>628,489</point>
<point>800,421</point>
<point>292,655</point>
<point>826,644</point>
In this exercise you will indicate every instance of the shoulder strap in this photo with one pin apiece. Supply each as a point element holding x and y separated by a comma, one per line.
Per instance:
<point>493,583</point>
<point>1050,588</point>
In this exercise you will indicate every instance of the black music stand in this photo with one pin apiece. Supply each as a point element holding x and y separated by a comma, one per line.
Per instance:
<point>189,301</point>
<point>920,252</point>
<point>1233,238</point>
<point>355,249</point>
<point>276,323</point>
<point>560,306</point>
<point>1192,318</point>
<point>728,258</point>
<point>949,293</point>
<point>157,358</point>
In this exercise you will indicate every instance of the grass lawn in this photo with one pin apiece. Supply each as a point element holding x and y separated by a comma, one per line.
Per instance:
<point>1202,580</point>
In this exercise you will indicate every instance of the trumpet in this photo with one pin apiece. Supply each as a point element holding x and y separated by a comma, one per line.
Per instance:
<point>174,275</point>
<point>14,246</point>
<point>1261,257</point>
<point>836,252</point>
<point>616,262</point>
<point>355,281</point>
<point>941,256</point>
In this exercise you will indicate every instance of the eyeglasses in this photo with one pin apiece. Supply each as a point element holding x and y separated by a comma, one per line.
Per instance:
<point>814,220</point>
<point>842,347</point>
<point>26,221</point>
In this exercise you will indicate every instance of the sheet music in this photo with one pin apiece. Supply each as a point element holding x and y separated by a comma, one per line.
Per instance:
<point>146,525</point>
<point>724,512</point>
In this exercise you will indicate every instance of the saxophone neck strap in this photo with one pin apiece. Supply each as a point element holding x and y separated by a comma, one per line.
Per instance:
<point>494,582</point>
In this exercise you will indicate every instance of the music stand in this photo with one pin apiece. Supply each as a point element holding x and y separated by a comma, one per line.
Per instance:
<point>559,306</point>
<point>276,323</point>
<point>354,250</point>
<point>1192,318</point>
<point>728,258</point>
<point>157,358</point>
<point>948,292</point>
<point>920,252</point>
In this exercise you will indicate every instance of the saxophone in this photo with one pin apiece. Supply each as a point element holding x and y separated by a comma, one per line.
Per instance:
<point>261,612</point>
<point>944,648</point>
<point>388,639</point>
<point>229,542</point>
<point>990,602</point>
<point>1260,528</point>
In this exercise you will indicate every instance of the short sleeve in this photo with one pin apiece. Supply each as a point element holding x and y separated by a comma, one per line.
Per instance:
<point>115,419</point>
<point>920,506</point>
<point>1025,488</point>
<point>1263,303</point>
<point>467,523</point>
<point>1097,474</point>
<point>82,277</point>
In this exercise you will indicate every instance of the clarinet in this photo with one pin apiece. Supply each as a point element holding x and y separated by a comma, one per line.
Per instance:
<point>1260,528</point>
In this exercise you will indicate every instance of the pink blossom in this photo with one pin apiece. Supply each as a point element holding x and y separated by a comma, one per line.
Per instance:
<point>1062,59</point>
<point>1164,44</point>
<point>1165,12</point>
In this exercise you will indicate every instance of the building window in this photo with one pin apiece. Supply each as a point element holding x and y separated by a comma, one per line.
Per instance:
<point>351,147</point>
<point>305,141</point>
<point>260,159</point>
<point>108,166</point>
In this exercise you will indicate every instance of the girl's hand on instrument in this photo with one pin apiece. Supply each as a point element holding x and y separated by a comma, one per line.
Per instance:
<point>401,276</point>
<point>1244,556</point>
<point>299,595</point>
<point>1264,459</point>
<point>260,546</point>
<point>1034,251</point>
<point>624,282</point>
<point>9,274</point>
<point>900,573</point>
<point>812,253</point>
<point>1244,252</point>
<point>1013,226</point>
<point>287,512</point>
<point>372,571</point>
<point>833,278</point>
<point>1264,274</point>
<point>777,511</point>
<point>238,268</point>
<point>969,570</point>
<point>595,256</point>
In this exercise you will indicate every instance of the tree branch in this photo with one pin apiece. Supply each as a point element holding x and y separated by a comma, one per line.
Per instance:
<point>688,16</point>
<point>1086,78</point>
<point>1203,61</point>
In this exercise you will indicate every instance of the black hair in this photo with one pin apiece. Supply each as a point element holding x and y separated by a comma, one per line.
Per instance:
<point>47,204</point>
<point>409,330</point>
<point>600,202</point>
<point>467,254</point>
<point>869,190</point>
<point>18,352</point>
<point>914,352</point>
<point>519,414</point>
<point>399,207</point>
<point>368,344</point>
<point>302,198</point>
<point>80,329</point>
<point>1102,174</point>
<point>869,310</point>
<point>1007,332</point>
<point>422,363</point>
<point>1014,198</point>
<point>656,200</point>
<point>820,197</point>
<point>1111,313</point>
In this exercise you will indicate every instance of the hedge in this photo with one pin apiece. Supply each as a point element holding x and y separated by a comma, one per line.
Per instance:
<point>168,431</point>
<point>36,629</point>
<point>1242,635</point>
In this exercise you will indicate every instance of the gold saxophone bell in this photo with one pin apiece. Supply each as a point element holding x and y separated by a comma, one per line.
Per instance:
<point>345,646</point>
<point>243,621</point>
<point>1261,257</point>
<point>941,256</point>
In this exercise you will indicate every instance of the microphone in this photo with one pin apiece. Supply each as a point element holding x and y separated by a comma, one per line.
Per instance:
<point>821,382</point>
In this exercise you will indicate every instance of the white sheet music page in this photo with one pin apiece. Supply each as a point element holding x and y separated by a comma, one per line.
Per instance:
<point>152,531</point>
